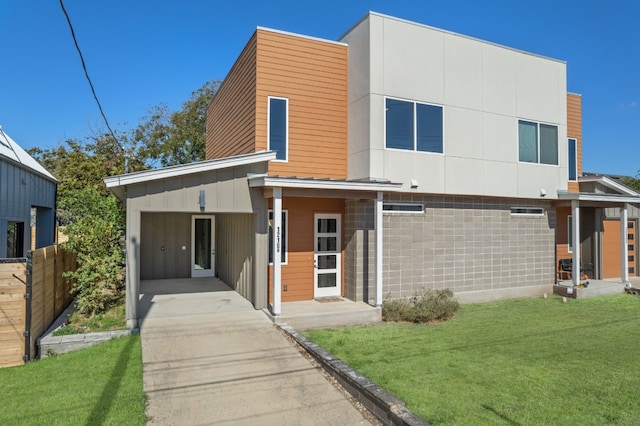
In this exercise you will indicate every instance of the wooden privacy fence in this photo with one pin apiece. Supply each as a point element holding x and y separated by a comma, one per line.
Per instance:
<point>33,294</point>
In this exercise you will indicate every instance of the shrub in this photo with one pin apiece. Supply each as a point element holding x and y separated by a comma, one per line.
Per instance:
<point>96,224</point>
<point>426,305</point>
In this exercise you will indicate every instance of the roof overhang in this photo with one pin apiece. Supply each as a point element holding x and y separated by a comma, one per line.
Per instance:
<point>609,183</point>
<point>615,199</point>
<point>326,184</point>
<point>117,184</point>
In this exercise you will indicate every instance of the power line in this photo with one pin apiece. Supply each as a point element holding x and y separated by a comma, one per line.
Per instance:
<point>93,90</point>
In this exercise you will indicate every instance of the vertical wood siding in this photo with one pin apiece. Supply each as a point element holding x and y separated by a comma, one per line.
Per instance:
<point>574,130</point>
<point>234,252</point>
<point>312,75</point>
<point>297,274</point>
<point>231,115</point>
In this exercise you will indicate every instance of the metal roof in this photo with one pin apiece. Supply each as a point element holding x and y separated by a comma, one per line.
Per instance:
<point>11,151</point>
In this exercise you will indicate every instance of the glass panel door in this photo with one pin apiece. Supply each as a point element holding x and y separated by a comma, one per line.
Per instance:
<point>202,246</point>
<point>327,255</point>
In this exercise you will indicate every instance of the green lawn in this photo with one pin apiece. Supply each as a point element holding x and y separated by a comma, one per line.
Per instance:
<point>100,385</point>
<point>519,362</point>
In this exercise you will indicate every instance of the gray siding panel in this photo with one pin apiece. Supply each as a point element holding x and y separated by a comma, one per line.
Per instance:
<point>20,190</point>
<point>234,252</point>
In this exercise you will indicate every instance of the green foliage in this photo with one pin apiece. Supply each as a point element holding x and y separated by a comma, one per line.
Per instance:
<point>95,226</point>
<point>426,305</point>
<point>100,385</point>
<point>176,137</point>
<point>631,182</point>
<point>529,361</point>
<point>111,319</point>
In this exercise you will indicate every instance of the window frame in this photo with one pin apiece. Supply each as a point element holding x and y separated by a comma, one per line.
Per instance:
<point>286,126</point>
<point>539,211</point>
<point>575,159</point>
<point>414,125</point>
<point>285,240</point>
<point>388,211</point>
<point>538,144</point>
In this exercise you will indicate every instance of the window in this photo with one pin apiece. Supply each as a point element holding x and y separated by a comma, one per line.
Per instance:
<point>537,143</point>
<point>413,126</point>
<point>630,258</point>
<point>283,237</point>
<point>573,160</point>
<point>403,207</point>
<point>278,127</point>
<point>630,247</point>
<point>632,270</point>
<point>570,233</point>
<point>630,237</point>
<point>15,239</point>
<point>534,211</point>
<point>630,225</point>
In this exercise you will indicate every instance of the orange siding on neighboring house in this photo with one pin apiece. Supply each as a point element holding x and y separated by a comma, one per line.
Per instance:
<point>298,273</point>
<point>611,249</point>
<point>231,115</point>
<point>574,130</point>
<point>312,75</point>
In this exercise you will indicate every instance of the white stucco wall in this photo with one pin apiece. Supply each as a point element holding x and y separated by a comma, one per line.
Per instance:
<point>484,90</point>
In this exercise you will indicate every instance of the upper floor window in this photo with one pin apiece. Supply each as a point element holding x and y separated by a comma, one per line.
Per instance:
<point>537,142</point>
<point>573,159</point>
<point>413,126</point>
<point>278,127</point>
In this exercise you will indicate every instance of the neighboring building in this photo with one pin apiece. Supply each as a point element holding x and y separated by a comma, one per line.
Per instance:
<point>27,199</point>
<point>399,157</point>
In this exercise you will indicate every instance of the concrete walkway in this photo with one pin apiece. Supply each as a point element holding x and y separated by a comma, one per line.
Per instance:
<point>210,358</point>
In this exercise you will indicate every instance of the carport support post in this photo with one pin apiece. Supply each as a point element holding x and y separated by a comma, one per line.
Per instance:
<point>276,249</point>
<point>575,231</point>
<point>624,248</point>
<point>378,227</point>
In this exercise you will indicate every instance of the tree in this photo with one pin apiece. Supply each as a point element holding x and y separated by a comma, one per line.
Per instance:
<point>631,182</point>
<point>93,216</point>
<point>177,137</point>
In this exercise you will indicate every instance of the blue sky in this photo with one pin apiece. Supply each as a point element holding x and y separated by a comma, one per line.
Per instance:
<point>141,53</point>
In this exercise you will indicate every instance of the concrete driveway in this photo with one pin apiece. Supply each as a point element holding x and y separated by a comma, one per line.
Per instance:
<point>210,358</point>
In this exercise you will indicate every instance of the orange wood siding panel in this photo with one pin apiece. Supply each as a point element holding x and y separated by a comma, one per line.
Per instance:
<point>611,249</point>
<point>312,75</point>
<point>298,273</point>
<point>574,130</point>
<point>562,234</point>
<point>231,115</point>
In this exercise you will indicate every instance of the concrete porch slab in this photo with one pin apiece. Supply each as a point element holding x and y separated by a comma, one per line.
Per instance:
<point>334,312</point>
<point>595,288</point>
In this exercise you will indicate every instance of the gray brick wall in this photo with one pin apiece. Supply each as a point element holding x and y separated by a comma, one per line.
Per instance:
<point>466,244</point>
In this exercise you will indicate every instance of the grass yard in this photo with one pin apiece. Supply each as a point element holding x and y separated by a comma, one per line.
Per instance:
<point>100,385</point>
<point>518,362</point>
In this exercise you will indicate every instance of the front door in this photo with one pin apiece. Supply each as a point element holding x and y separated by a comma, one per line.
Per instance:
<point>203,246</point>
<point>326,259</point>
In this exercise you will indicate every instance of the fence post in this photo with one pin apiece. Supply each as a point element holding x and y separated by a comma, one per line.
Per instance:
<point>27,301</point>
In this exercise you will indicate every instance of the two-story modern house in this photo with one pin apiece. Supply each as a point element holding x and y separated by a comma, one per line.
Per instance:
<point>398,158</point>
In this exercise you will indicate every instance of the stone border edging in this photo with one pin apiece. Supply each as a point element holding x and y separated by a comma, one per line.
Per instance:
<point>55,345</point>
<point>382,404</point>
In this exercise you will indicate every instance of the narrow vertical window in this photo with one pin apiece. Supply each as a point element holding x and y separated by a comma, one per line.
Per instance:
<point>548,144</point>
<point>573,160</point>
<point>278,127</point>
<point>428,128</point>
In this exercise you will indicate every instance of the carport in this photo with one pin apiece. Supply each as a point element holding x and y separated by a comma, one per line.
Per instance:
<point>196,220</point>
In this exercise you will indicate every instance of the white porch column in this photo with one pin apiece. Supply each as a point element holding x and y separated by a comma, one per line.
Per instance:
<point>575,232</point>
<point>276,250</point>
<point>624,247</point>
<point>378,229</point>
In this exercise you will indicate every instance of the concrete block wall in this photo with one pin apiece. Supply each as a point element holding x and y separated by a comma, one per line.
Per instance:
<point>471,245</point>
